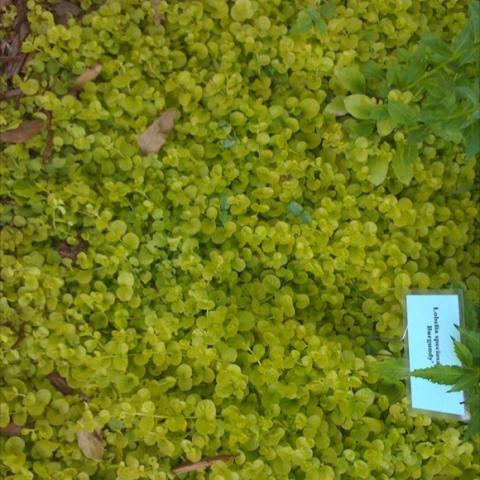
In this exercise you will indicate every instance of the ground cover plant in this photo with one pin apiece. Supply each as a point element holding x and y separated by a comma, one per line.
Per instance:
<point>210,212</point>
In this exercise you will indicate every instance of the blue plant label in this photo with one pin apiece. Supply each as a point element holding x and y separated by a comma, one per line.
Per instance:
<point>431,320</point>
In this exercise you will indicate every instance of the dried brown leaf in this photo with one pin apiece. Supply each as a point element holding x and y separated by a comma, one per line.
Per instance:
<point>71,251</point>
<point>87,76</point>
<point>60,383</point>
<point>14,92</point>
<point>24,132</point>
<point>155,136</point>
<point>202,464</point>
<point>47,151</point>
<point>11,430</point>
<point>5,3</point>
<point>64,10</point>
<point>158,18</point>
<point>91,443</point>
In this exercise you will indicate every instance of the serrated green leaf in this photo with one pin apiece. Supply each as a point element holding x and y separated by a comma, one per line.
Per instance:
<point>302,24</point>
<point>351,79</point>
<point>359,106</point>
<point>402,113</point>
<point>377,170</point>
<point>320,25</point>
<point>327,10</point>
<point>468,381</point>
<point>441,374</point>
<point>471,138</point>
<point>391,370</point>
<point>473,425</point>
<point>463,353</point>
<point>403,162</point>
<point>472,340</point>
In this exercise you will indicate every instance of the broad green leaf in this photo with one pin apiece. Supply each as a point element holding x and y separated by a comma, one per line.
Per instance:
<point>377,170</point>
<point>404,161</point>
<point>337,106</point>
<point>351,79</point>
<point>402,113</point>
<point>385,127</point>
<point>463,353</point>
<point>441,374</point>
<point>471,138</point>
<point>468,381</point>
<point>359,106</point>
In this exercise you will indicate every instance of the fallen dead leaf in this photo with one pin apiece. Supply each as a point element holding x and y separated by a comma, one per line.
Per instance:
<point>47,151</point>
<point>24,132</point>
<point>91,443</point>
<point>155,136</point>
<point>71,251</point>
<point>202,464</point>
<point>60,383</point>
<point>11,48</point>
<point>87,76</point>
<point>64,10</point>
<point>158,18</point>
<point>12,430</point>
<point>14,92</point>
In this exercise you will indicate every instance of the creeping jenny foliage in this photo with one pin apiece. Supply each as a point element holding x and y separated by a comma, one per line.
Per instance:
<point>215,298</point>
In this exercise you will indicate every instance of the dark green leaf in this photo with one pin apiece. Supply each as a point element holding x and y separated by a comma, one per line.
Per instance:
<point>361,128</point>
<point>372,71</point>
<point>397,76</point>
<point>440,48</point>
<point>473,425</point>
<point>471,138</point>
<point>474,19</point>
<point>463,353</point>
<point>469,93</point>
<point>296,209</point>
<point>470,314</point>
<point>404,161</point>
<point>472,340</point>
<point>402,113</point>
<point>442,374</point>
<point>417,135</point>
